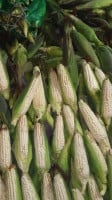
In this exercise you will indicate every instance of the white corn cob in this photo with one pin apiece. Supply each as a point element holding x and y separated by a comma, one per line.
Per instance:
<point>58,141</point>
<point>23,102</point>
<point>107,101</point>
<point>21,147</point>
<point>69,94</point>
<point>2,190</point>
<point>47,187</point>
<point>81,164</point>
<point>5,148</point>
<point>93,189</point>
<point>55,91</point>
<point>77,194</point>
<point>4,79</point>
<point>97,130</point>
<point>28,189</point>
<point>60,188</point>
<point>69,119</point>
<point>99,75</point>
<point>91,81</point>
<point>42,156</point>
<point>39,100</point>
<point>13,190</point>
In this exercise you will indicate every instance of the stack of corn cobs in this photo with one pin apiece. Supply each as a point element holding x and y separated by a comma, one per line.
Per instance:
<point>55,116</point>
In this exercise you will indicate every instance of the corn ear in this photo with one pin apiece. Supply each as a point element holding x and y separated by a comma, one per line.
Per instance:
<point>58,140</point>
<point>97,130</point>
<point>100,75</point>
<point>22,146</point>
<point>2,190</point>
<point>55,96</point>
<point>42,154</point>
<point>5,148</point>
<point>47,187</point>
<point>60,188</point>
<point>77,194</point>
<point>4,80</point>
<point>24,100</point>
<point>13,190</point>
<point>28,189</point>
<point>107,101</point>
<point>68,91</point>
<point>80,161</point>
<point>39,100</point>
<point>109,163</point>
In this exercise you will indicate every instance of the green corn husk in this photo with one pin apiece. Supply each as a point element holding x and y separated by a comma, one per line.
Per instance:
<point>47,192</point>
<point>95,4</point>
<point>24,100</point>
<point>96,159</point>
<point>100,75</point>
<point>13,190</point>
<point>5,148</point>
<point>4,81</point>
<point>68,91</point>
<point>22,145</point>
<point>60,188</point>
<point>58,140</point>
<point>55,96</point>
<point>109,163</point>
<point>28,190</point>
<point>84,46</point>
<point>2,189</point>
<point>42,153</point>
<point>77,194</point>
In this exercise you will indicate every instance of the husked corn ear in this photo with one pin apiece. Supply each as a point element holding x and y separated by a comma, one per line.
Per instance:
<point>54,91</point>
<point>60,189</point>
<point>81,165</point>
<point>2,190</point>
<point>97,130</point>
<point>42,154</point>
<point>91,81</point>
<point>5,148</point>
<point>77,194</point>
<point>93,189</point>
<point>47,187</point>
<point>100,75</point>
<point>28,189</point>
<point>23,102</point>
<point>4,79</point>
<point>97,161</point>
<point>22,146</point>
<point>39,100</point>
<point>69,119</point>
<point>107,101</point>
<point>58,140</point>
<point>68,92</point>
<point>13,190</point>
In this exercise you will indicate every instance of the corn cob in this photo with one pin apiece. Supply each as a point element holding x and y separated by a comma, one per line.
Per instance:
<point>93,189</point>
<point>81,165</point>
<point>58,140</point>
<point>47,187</point>
<point>100,75</point>
<point>39,100</point>
<point>42,154</point>
<point>109,163</point>
<point>77,194</point>
<point>60,189</point>
<point>22,146</point>
<point>4,80</point>
<point>2,190</point>
<point>68,92</point>
<point>13,190</point>
<point>69,119</point>
<point>97,161</point>
<point>55,91</point>
<point>107,101</point>
<point>23,102</point>
<point>97,130</point>
<point>5,148</point>
<point>28,189</point>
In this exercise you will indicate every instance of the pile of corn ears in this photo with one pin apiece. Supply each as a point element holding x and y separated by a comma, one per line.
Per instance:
<point>56,107</point>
